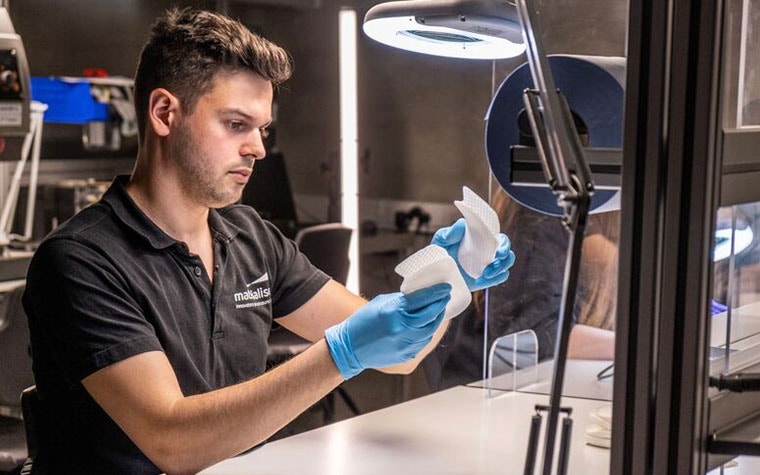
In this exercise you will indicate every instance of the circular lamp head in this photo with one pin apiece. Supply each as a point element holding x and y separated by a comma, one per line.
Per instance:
<point>470,29</point>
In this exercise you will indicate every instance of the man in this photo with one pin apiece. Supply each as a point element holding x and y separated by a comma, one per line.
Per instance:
<point>149,350</point>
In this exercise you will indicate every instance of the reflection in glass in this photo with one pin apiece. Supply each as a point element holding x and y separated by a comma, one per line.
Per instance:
<point>749,64</point>
<point>735,335</point>
<point>731,237</point>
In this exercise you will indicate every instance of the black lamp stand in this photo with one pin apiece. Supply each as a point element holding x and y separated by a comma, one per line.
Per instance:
<point>569,177</point>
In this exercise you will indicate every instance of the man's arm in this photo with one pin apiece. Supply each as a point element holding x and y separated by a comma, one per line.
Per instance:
<point>186,434</point>
<point>333,304</point>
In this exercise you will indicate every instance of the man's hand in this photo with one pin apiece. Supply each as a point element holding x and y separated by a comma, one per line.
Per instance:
<point>388,330</point>
<point>495,273</point>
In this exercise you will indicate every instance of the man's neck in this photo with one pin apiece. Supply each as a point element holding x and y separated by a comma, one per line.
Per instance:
<point>166,206</point>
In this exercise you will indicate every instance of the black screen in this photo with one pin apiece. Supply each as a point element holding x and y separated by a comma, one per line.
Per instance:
<point>268,191</point>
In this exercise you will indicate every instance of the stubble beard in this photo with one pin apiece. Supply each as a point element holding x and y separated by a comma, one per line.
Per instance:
<point>196,176</point>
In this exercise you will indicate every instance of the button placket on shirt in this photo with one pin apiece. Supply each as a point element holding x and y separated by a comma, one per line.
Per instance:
<point>193,265</point>
<point>220,256</point>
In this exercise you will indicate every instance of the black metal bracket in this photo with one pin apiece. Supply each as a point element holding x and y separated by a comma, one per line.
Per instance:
<point>732,447</point>
<point>737,383</point>
<point>535,427</point>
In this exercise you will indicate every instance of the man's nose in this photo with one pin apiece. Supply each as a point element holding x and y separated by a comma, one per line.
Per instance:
<point>254,146</point>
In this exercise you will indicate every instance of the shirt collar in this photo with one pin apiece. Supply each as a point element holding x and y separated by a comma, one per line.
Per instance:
<point>221,228</point>
<point>132,216</point>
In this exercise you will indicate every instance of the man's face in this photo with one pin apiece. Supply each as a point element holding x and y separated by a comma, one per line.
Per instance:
<point>215,147</point>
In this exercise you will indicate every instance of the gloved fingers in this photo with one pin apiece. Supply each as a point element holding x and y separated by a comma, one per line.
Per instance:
<point>424,316</point>
<point>436,322</point>
<point>450,235</point>
<point>383,299</point>
<point>510,259</point>
<point>419,299</point>
<point>494,274</point>
<point>717,307</point>
<point>424,334</point>
<point>491,277</point>
<point>500,278</point>
<point>504,248</point>
<point>498,266</point>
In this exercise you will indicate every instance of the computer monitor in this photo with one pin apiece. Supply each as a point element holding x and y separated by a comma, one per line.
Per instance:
<point>269,192</point>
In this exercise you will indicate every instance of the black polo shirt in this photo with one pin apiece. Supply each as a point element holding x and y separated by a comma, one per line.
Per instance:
<point>109,284</point>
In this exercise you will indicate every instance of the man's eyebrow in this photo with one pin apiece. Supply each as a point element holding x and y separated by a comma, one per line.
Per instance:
<point>235,111</point>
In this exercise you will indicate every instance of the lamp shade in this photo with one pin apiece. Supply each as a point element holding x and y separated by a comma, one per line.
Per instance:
<point>470,29</point>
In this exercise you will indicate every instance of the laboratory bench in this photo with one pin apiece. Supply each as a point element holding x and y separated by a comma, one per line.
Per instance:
<point>464,430</point>
<point>467,430</point>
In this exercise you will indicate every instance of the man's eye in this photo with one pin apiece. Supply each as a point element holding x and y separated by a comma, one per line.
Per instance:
<point>235,125</point>
<point>264,132</point>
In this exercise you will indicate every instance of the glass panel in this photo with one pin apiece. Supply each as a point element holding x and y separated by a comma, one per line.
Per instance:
<point>749,66</point>
<point>532,297</point>
<point>735,307</point>
<point>512,361</point>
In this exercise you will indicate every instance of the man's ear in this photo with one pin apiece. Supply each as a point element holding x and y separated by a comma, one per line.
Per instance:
<point>163,108</point>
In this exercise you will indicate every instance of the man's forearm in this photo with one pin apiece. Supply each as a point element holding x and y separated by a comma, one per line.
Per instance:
<point>235,418</point>
<point>186,434</point>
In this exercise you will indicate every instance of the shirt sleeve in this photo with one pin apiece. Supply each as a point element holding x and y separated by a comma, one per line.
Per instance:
<point>296,279</point>
<point>80,308</point>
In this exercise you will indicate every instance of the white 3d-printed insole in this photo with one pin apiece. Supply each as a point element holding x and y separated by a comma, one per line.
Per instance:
<point>481,238</point>
<point>433,265</point>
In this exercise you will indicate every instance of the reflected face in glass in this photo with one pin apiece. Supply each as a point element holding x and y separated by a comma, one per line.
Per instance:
<point>214,148</point>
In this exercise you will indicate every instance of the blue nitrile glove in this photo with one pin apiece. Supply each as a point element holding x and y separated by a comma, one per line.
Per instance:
<point>717,307</point>
<point>390,329</point>
<point>495,273</point>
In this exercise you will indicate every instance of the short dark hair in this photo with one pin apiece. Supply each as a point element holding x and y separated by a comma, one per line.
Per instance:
<point>187,48</point>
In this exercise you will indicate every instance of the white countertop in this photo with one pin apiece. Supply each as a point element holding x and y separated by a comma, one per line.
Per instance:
<point>580,380</point>
<point>456,431</point>
<point>745,324</point>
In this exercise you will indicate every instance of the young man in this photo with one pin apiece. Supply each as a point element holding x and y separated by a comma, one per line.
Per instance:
<point>150,310</point>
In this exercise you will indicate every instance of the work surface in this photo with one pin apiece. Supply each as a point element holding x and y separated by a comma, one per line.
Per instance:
<point>456,431</point>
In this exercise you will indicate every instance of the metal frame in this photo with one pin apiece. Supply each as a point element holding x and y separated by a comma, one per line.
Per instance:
<point>669,197</point>
<point>32,143</point>
<point>605,165</point>
<point>741,163</point>
<point>734,417</point>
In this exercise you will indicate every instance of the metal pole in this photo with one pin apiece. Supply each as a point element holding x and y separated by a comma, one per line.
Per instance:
<point>37,116</point>
<point>530,458</point>
<point>570,179</point>
<point>564,447</point>
<point>572,268</point>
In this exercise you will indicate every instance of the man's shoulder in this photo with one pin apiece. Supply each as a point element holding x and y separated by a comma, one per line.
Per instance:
<point>82,222</point>
<point>81,226</point>
<point>86,237</point>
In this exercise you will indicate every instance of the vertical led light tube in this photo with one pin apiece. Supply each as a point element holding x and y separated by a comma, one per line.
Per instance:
<point>349,152</point>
